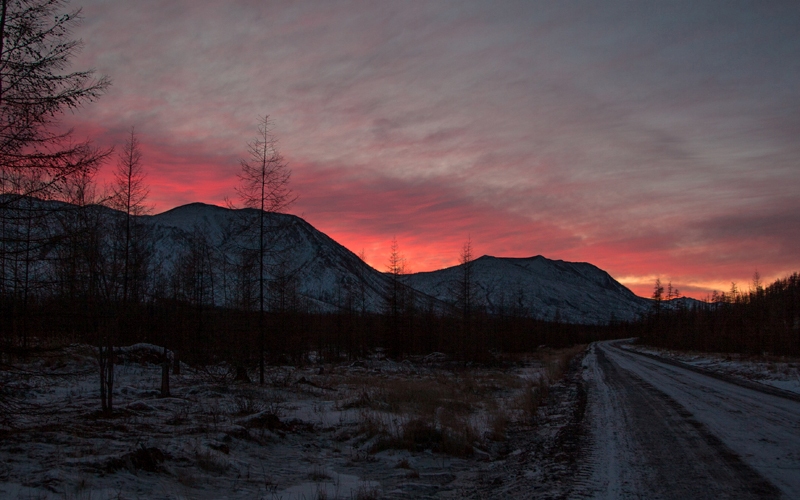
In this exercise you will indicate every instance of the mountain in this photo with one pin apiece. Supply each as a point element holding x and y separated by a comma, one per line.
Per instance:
<point>575,292</point>
<point>681,303</point>
<point>201,249</point>
<point>320,269</point>
<point>327,273</point>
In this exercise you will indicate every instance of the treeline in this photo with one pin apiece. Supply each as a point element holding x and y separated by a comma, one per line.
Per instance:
<point>212,334</point>
<point>763,320</point>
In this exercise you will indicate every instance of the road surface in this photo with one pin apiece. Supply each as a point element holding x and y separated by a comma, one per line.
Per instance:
<point>654,430</point>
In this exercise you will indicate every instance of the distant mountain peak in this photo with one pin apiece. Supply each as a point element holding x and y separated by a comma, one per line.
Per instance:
<point>578,292</point>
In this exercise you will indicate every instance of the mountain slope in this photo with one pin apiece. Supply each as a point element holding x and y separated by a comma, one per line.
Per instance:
<point>321,269</point>
<point>207,248</point>
<point>574,291</point>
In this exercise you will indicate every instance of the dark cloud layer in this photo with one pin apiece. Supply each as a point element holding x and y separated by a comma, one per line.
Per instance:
<point>649,138</point>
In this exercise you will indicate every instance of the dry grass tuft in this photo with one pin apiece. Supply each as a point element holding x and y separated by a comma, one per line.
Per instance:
<point>453,437</point>
<point>367,492</point>
<point>211,461</point>
<point>319,474</point>
<point>498,425</point>
<point>453,412</point>
<point>530,398</point>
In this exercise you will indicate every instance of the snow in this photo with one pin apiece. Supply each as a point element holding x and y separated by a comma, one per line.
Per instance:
<point>776,371</point>
<point>610,462</point>
<point>300,436</point>
<point>327,272</point>
<point>577,292</point>
<point>329,276</point>
<point>330,484</point>
<point>324,270</point>
<point>760,429</point>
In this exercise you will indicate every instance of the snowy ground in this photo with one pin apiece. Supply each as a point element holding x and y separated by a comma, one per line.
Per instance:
<point>657,430</point>
<point>777,371</point>
<point>425,428</point>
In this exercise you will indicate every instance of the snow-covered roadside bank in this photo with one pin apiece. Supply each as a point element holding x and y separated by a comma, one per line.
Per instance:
<point>776,371</point>
<point>424,428</point>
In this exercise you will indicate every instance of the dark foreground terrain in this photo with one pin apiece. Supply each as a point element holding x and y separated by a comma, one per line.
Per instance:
<point>603,422</point>
<point>426,427</point>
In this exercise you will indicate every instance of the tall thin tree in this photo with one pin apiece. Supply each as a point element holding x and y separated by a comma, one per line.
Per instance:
<point>264,186</point>
<point>465,296</point>
<point>658,296</point>
<point>130,193</point>
<point>393,297</point>
<point>36,159</point>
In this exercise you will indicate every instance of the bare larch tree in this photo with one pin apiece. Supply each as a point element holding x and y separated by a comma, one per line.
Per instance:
<point>264,186</point>
<point>130,193</point>
<point>35,90</point>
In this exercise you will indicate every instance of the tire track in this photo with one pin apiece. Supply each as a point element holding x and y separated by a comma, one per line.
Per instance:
<point>640,443</point>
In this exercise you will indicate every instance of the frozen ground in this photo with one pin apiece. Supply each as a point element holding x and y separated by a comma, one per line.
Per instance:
<point>776,371</point>
<point>425,428</point>
<point>618,424</point>
<point>656,430</point>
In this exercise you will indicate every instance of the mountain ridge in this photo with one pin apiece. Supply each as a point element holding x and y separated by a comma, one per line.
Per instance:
<point>330,277</point>
<point>577,292</point>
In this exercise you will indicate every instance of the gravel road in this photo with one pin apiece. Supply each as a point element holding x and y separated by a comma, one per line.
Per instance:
<point>655,430</point>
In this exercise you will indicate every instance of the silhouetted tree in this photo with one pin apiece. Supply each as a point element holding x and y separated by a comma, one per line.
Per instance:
<point>35,159</point>
<point>35,89</point>
<point>264,186</point>
<point>765,319</point>
<point>130,193</point>
<point>130,248</point>
<point>658,296</point>
<point>465,289</point>
<point>194,283</point>
<point>394,300</point>
<point>84,271</point>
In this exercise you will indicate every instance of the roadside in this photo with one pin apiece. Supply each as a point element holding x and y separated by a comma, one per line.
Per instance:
<point>767,371</point>
<point>660,430</point>
<point>543,459</point>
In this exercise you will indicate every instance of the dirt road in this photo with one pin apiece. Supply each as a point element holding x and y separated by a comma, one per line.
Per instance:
<point>653,430</point>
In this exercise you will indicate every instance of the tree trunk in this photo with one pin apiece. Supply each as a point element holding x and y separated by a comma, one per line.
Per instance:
<point>165,375</point>
<point>261,291</point>
<point>110,379</point>
<point>101,362</point>
<point>241,375</point>
<point>176,363</point>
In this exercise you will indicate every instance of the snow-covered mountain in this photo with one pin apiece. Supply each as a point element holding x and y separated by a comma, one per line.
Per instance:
<point>328,273</point>
<point>327,276</point>
<point>575,292</point>
<point>320,269</point>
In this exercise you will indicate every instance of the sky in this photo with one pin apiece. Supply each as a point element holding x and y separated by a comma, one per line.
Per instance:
<point>652,139</point>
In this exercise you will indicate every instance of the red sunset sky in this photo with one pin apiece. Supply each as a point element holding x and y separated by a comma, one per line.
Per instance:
<point>652,139</point>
